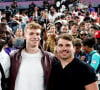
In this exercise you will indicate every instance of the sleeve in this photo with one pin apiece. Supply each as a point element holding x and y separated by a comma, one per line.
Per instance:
<point>95,61</point>
<point>89,75</point>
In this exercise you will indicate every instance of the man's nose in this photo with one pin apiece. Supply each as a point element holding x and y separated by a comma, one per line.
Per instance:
<point>64,47</point>
<point>34,35</point>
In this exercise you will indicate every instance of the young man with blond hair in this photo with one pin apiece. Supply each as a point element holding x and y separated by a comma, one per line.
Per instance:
<point>30,66</point>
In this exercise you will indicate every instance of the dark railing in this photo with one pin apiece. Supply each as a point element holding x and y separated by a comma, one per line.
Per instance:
<point>22,4</point>
<point>18,0</point>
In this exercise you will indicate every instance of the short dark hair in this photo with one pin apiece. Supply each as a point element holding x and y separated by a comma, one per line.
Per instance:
<point>74,24</point>
<point>66,37</point>
<point>62,16</point>
<point>3,25</point>
<point>77,42</point>
<point>76,17</point>
<point>82,23</point>
<point>3,18</point>
<point>90,42</point>
<point>95,27</point>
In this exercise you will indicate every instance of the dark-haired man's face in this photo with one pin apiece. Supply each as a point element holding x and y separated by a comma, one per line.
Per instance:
<point>84,48</point>
<point>92,32</point>
<point>87,26</point>
<point>83,35</point>
<point>82,27</point>
<point>68,17</point>
<point>77,20</point>
<point>3,36</point>
<point>4,20</point>
<point>77,48</point>
<point>65,49</point>
<point>74,28</point>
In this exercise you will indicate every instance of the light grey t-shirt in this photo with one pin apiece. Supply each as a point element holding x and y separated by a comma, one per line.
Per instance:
<point>30,74</point>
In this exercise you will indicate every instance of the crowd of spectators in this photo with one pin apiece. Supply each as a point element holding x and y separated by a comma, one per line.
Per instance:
<point>79,20</point>
<point>75,18</point>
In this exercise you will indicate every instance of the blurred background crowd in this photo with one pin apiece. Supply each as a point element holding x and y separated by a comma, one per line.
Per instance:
<point>81,20</point>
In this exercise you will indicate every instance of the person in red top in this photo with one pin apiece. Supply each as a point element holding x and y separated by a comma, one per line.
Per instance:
<point>97,46</point>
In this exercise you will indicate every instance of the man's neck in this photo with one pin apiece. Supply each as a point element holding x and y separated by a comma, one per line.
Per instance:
<point>20,36</point>
<point>64,63</point>
<point>31,50</point>
<point>90,50</point>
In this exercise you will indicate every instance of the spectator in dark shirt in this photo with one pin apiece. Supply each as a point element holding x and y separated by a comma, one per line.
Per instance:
<point>70,73</point>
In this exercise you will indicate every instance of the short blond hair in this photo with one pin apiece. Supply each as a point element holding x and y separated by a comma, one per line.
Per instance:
<point>32,25</point>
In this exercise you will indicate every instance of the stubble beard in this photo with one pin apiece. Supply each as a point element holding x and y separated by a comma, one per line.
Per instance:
<point>66,58</point>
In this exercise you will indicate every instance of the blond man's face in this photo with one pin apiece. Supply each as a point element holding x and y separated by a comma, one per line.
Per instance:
<point>32,37</point>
